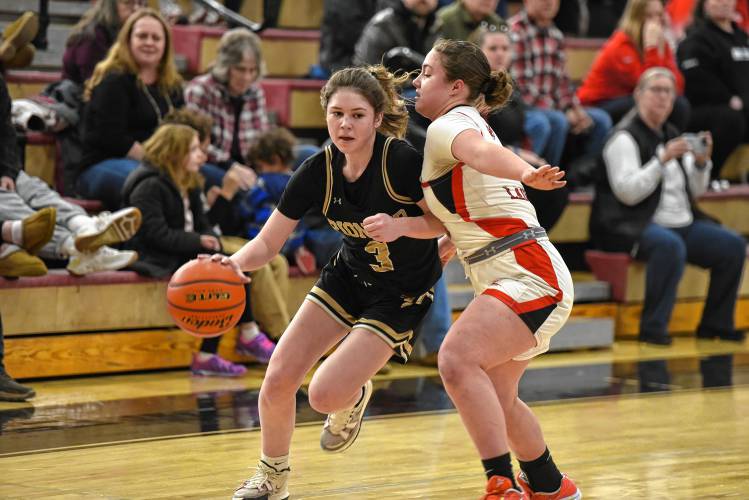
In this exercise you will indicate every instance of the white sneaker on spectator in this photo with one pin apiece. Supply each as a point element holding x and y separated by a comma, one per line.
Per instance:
<point>108,228</point>
<point>104,259</point>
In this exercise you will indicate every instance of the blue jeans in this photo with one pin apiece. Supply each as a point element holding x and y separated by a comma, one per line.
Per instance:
<point>213,174</point>
<point>436,323</point>
<point>104,181</point>
<point>666,251</point>
<point>323,242</point>
<point>597,134</point>
<point>547,130</point>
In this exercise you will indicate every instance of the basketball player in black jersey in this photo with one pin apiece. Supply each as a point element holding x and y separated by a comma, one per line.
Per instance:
<point>370,296</point>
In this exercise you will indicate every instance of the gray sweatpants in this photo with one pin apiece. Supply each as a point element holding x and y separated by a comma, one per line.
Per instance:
<point>32,194</point>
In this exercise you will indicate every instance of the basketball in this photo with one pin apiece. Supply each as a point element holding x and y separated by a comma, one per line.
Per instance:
<point>205,298</point>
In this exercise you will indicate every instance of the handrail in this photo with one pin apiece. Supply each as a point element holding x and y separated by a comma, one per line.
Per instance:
<point>271,9</point>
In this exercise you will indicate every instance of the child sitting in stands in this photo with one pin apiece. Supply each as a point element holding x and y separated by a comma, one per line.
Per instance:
<point>272,155</point>
<point>167,189</point>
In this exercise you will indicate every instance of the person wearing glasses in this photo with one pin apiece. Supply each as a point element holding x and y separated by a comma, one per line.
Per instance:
<point>644,205</point>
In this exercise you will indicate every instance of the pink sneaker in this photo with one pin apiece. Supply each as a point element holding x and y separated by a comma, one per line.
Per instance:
<point>261,347</point>
<point>216,366</point>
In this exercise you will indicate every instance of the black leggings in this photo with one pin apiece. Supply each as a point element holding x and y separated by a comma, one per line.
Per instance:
<point>728,127</point>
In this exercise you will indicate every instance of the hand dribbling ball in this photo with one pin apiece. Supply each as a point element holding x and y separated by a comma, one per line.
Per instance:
<point>205,298</point>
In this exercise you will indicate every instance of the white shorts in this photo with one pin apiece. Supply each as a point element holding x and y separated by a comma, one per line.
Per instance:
<point>533,281</point>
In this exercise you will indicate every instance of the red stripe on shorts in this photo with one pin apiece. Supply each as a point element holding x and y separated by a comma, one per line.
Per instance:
<point>534,258</point>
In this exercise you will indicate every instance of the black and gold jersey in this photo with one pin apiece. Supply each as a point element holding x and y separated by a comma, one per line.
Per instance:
<point>390,184</point>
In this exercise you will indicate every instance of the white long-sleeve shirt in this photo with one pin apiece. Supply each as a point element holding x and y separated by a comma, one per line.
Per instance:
<point>632,182</point>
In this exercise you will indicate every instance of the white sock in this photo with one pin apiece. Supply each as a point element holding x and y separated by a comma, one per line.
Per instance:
<point>248,331</point>
<point>204,356</point>
<point>68,247</point>
<point>16,232</point>
<point>278,463</point>
<point>80,223</point>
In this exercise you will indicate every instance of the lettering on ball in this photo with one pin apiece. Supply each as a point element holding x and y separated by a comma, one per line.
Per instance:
<point>223,321</point>
<point>203,296</point>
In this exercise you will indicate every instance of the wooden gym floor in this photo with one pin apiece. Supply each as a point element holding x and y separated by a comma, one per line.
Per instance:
<point>630,422</point>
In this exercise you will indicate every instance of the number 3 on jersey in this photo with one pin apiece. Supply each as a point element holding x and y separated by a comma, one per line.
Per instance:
<point>382,255</point>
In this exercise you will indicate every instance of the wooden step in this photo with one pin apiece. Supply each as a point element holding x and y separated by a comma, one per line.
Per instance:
<point>684,319</point>
<point>106,352</point>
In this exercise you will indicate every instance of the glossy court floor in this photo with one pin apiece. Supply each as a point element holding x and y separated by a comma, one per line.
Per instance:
<point>633,421</point>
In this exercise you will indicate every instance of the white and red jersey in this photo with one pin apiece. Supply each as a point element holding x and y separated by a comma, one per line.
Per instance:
<point>475,208</point>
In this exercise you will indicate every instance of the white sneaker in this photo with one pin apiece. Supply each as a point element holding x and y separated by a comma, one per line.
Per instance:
<point>108,229</point>
<point>341,428</point>
<point>267,483</point>
<point>104,259</point>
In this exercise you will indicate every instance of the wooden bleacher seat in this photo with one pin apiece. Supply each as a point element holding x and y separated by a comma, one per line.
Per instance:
<point>287,53</point>
<point>580,55</point>
<point>627,280</point>
<point>106,322</point>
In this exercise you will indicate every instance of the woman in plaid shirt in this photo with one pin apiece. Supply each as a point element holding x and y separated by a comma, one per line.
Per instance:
<point>229,93</point>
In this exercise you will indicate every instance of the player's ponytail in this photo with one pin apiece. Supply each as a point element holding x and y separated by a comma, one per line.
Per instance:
<point>380,88</point>
<point>465,61</point>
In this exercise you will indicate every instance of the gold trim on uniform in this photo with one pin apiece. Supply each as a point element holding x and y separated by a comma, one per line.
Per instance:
<point>328,179</point>
<point>400,344</point>
<point>388,187</point>
<point>409,301</point>
<point>323,299</point>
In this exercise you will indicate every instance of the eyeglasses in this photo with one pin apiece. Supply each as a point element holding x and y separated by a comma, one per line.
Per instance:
<point>493,28</point>
<point>661,90</point>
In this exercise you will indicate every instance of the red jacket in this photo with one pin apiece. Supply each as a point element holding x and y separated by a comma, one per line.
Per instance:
<point>618,66</point>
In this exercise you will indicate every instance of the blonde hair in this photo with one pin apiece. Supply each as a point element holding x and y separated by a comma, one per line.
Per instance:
<point>120,59</point>
<point>380,88</point>
<point>487,89</point>
<point>167,150</point>
<point>633,19</point>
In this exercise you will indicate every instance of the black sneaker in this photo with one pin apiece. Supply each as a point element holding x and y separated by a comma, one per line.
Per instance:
<point>10,390</point>
<point>663,340</point>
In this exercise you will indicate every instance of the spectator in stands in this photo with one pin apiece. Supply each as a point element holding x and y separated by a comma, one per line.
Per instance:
<point>645,205</point>
<point>539,69</point>
<point>313,243</point>
<point>406,24</point>
<point>90,39</point>
<point>167,189</point>
<point>128,95</point>
<point>10,390</point>
<point>641,42</point>
<point>714,58</point>
<point>230,94</point>
<point>342,23</point>
<point>399,37</point>
<point>77,238</point>
<point>270,283</point>
<point>462,17</point>
<point>512,125</point>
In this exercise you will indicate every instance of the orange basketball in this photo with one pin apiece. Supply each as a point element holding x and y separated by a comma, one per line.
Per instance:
<point>205,298</point>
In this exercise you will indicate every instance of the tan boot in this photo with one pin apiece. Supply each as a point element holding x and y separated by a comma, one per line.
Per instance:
<point>20,264</point>
<point>38,229</point>
<point>23,58</point>
<point>19,33</point>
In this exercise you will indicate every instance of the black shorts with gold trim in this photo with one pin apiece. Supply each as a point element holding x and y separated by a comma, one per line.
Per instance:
<point>356,301</point>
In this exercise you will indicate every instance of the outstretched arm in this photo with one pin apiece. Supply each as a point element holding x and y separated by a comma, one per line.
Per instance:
<point>261,249</point>
<point>498,161</point>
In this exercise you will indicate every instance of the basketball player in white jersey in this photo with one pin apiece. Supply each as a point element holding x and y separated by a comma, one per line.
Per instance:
<point>523,289</point>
